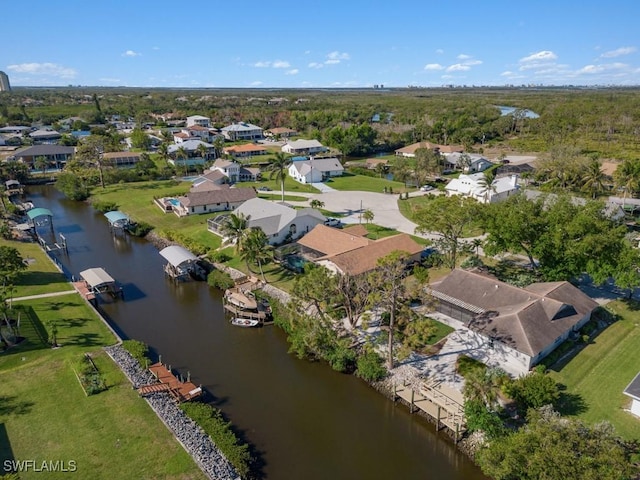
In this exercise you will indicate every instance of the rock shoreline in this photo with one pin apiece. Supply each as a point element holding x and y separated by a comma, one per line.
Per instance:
<point>193,439</point>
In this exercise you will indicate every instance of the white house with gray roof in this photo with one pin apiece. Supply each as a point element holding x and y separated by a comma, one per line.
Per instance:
<point>304,147</point>
<point>242,131</point>
<point>279,222</point>
<point>472,186</point>
<point>315,170</point>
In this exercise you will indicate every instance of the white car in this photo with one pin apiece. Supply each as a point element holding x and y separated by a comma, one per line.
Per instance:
<point>426,188</point>
<point>332,222</point>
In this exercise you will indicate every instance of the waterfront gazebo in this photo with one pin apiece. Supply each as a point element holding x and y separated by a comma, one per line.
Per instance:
<point>117,219</point>
<point>180,261</point>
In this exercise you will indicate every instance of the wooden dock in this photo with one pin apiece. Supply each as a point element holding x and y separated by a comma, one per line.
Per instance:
<point>181,391</point>
<point>439,401</point>
<point>83,290</point>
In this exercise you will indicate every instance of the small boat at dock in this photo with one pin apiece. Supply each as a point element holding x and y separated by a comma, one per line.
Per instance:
<point>245,322</point>
<point>246,309</point>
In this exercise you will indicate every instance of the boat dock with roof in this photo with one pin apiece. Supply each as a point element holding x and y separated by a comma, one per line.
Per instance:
<point>181,263</point>
<point>96,281</point>
<point>118,221</point>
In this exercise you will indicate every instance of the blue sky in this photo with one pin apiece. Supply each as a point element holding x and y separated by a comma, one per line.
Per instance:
<point>287,44</point>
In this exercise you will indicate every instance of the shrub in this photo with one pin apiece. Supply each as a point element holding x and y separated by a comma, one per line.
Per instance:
<point>138,350</point>
<point>140,229</point>
<point>90,378</point>
<point>370,366</point>
<point>220,279</point>
<point>219,256</point>
<point>105,206</point>
<point>534,390</point>
<point>212,422</point>
<point>473,261</point>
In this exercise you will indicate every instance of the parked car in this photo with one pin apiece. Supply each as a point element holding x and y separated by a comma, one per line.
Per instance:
<point>426,188</point>
<point>264,189</point>
<point>332,222</point>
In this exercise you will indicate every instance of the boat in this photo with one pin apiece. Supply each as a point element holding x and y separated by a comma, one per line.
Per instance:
<point>245,322</point>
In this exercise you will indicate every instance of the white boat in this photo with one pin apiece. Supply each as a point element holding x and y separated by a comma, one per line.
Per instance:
<point>245,322</point>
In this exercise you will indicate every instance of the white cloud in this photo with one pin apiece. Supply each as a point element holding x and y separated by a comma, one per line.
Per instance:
<point>463,56</point>
<point>51,69</point>
<point>542,56</point>
<point>110,80</point>
<point>433,66</point>
<point>458,67</point>
<point>315,65</point>
<point>605,67</point>
<point>439,51</point>
<point>336,57</point>
<point>257,83</point>
<point>507,73</point>
<point>280,64</point>
<point>472,62</point>
<point>618,52</point>
<point>131,53</point>
<point>274,64</point>
<point>293,71</point>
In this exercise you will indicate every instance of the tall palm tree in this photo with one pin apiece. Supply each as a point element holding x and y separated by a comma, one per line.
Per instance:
<point>256,249</point>
<point>476,243</point>
<point>368,215</point>
<point>202,150</point>
<point>278,169</point>
<point>41,163</point>
<point>593,179</point>
<point>487,184</point>
<point>627,177</point>
<point>163,152</point>
<point>235,227</point>
<point>182,154</point>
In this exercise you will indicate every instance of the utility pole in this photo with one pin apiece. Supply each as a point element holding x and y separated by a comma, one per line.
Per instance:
<point>360,214</point>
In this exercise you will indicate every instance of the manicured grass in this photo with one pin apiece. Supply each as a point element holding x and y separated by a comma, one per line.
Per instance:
<point>441,331</point>
<point>601,371</point>
<point>277,196</point>
<point>47,416</point>
<point>290,185</point>
<point>136,200</point>
<point>349,181</point>
<point>377,232</point>
<point>41,275</point>
<point>275,274</point>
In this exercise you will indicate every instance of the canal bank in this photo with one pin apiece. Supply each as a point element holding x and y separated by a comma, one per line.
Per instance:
<point>303,419</point>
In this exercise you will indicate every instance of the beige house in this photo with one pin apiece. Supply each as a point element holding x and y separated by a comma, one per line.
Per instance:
<point>213,200</point>
<point>410,150</point>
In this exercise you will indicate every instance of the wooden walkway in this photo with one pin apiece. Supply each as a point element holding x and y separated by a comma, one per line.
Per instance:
<point>83,290</point>
<point>181,391</point>
<point>442,403</point>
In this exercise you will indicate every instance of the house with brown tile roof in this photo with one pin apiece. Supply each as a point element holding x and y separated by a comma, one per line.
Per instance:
<point>520,325</point>
<point>214,200</point>
<point>324,241</point>
<point>356,229</point>
<point>120,159</point>
<point>280,132</point>
<point>245,150</point>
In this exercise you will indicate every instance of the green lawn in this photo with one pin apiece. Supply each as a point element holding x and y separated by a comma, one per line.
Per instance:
<point>349,181</point>
<point>41,275</point>
<point>136,200</point>
<point>601,371</point>
<point>46,415</point>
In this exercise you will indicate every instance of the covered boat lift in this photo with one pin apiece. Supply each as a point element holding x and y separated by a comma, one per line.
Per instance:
<point>118,221</point>
<point>40,217</point>
<point>180,262</point>
<point>98,281</point>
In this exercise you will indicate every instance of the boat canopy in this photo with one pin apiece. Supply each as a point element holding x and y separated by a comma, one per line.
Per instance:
<point>177,255</point>
<point>96,277</point>
<point>117,218</point>
<point>39,212</point>
<point>11,183</point>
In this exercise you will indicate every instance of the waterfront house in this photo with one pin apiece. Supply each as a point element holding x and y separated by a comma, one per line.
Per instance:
<point>304,147</point>
<point>209,181</point>
<point>45,136</point>
<point>349,252</point>
<point>220,199</point>
<point>279,222</point>
<point>514,327</point>
<point>242,131</point>
<point>192,149</point>
<point>315,169</point>
<point>56,155</point>
<point>120,159</point>
<point>476,163</point>
<point>472,186</point>
<point>280,132</point>
<point>198,120</point>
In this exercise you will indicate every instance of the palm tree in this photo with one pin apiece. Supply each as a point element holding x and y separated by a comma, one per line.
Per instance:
<point>476,243</point>
<point>256,249</point>
<point>41,163</point>
<point>278,168</point>
<point>181,153</point>
<point>202,150</point>
<point>487,184</point>
<point>594,179</point>
<point>627,177</point>
<point>315,203</point>
<point>163,151</point>
<point>235,227</point>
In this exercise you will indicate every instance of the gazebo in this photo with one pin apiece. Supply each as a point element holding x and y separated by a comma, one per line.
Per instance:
<point>99,281</point>
<point>180,261</point>
<point>117,219</point>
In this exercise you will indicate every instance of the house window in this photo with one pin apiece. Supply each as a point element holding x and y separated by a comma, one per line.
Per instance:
<point>293,229</point>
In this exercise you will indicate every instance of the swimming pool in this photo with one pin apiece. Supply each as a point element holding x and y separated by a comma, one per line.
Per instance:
<point>173,201</point>
<point>295,263</point>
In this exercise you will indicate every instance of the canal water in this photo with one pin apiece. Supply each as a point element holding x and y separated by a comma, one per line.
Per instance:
<point>303,420</point>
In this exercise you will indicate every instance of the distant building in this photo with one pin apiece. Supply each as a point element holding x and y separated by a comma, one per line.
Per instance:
<point>5,86</point>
